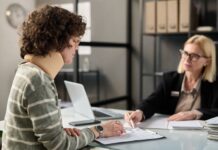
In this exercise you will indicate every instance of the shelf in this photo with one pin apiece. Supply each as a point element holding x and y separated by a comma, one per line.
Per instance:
<point>153,74</point>
<point>165,34</point>
<point>160,44</point>
<point>204,32</point>
<point>103,44</point>
<point>181,33</point>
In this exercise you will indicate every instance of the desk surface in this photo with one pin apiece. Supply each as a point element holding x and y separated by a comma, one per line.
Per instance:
<point>175,139</point>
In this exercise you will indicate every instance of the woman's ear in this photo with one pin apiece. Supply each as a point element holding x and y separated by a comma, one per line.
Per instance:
<point>207,62</point>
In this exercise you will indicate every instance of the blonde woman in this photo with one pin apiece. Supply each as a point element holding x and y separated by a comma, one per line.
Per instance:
<point>191,92</point>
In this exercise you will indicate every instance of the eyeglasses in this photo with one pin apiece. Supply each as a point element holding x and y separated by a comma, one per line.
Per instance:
<point>191,56</point>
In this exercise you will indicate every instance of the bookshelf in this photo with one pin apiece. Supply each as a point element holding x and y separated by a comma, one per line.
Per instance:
<point>159,50</point>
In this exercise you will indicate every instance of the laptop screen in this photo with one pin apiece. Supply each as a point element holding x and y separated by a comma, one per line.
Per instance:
<point>79,99</point>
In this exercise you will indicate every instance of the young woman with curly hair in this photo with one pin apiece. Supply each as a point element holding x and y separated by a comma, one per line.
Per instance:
<point>49,39</point>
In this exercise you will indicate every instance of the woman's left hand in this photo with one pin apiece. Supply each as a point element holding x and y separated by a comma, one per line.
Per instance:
<point>72,131</point>
<point>186,115</point>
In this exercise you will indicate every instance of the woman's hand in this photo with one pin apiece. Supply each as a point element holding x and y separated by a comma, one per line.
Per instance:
<point>112,128</point>
<point>72,131</point>
<point>187,115</point>
<point>135,116</point>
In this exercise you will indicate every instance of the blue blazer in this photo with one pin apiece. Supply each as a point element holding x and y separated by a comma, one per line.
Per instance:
<point>163,101</point>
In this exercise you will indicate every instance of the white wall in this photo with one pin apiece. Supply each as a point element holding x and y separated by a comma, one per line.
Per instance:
<point>109,20</point>
<point>9,51</point>
<point>136,50</point>
<point>109,24</point>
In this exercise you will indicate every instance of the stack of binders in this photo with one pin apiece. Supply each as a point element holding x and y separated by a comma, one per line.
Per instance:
<point>212,125</point>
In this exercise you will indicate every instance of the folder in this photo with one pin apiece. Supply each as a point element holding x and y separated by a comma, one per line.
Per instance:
<point>162,16</point>
<point>172,16</point>
<point>149,17</point>
<point>184,25</point>
<point>187,10</point>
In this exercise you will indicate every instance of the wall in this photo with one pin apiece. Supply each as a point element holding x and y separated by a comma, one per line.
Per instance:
<point>109,20</point>
<point>136,50</point>
<point>108,24</point>
<point>9,52</point>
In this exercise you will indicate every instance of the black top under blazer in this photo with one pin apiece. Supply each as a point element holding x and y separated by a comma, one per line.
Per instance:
<point>161,101</point>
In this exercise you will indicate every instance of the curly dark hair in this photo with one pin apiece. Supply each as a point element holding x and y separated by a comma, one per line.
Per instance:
<point>49,28</point>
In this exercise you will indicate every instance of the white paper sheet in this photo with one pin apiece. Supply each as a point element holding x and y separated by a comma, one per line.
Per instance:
<point>192,124</point>
<point>135,134</point>
<point>212,121</point>
<point>158,121</point>
<point>1,125</point>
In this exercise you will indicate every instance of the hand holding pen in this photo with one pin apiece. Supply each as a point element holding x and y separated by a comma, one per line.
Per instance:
<point>133,117</point>
<point>132,124</point>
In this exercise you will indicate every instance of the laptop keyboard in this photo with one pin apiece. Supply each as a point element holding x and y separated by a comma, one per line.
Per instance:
<point>100,114</point>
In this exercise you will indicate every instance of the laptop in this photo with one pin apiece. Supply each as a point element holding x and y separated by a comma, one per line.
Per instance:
<point>82,105</point>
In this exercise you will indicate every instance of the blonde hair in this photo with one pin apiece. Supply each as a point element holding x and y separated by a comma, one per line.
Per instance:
<point>208,47</point>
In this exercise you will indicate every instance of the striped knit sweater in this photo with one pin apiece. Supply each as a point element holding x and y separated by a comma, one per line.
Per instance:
<point>33,119</point>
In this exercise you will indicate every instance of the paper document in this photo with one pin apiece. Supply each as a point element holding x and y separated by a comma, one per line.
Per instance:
<point>192,124</point>
<point>158,121</point>
<point>212,121</point>
<point>132,134</point>
<point>2,125</point>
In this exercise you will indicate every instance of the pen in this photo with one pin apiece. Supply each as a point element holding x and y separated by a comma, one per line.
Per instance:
<point>131,122</point>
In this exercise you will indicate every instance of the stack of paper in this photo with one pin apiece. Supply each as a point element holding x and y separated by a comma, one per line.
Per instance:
<point>212,125</point>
